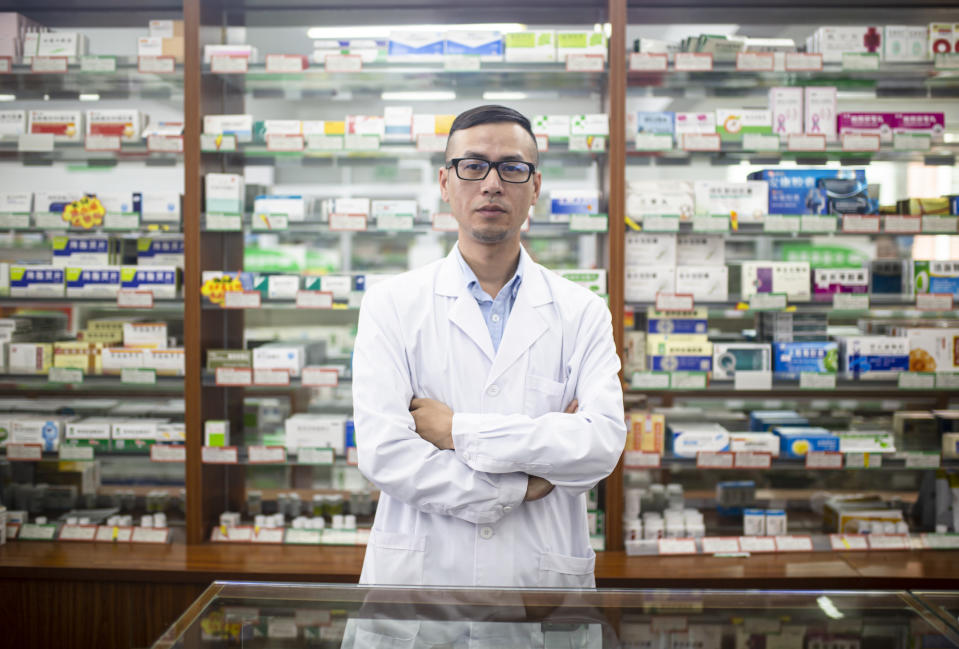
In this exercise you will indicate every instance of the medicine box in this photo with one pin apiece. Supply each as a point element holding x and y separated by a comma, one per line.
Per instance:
<point>657,198</point>
<point>123,123</point>
<point>579,42</point>
<point>646,432</point>
<point>316,431</point>
<point>905,44</point>
<point>833,41</point>
<point>776,522</point>
<point>555,127</point>
<point>644,282</point>
<point>92,281</point>
<point>733,123</point>
<point>416,46</point>
<point>789,277</point>
<point>874,357</point>
<point>239,125</point>
<point>162,281</point>
<point>89,431</point>
<point>754,522</point>
<point>574,201</point>
<point>694,124</point>
<point>820,111</point>
<point>792,359</point>
<point>675,354</point>
<point>160,250</point>
<point>728,358</point>
<point>83,250</point>
<point>69,44</point>
<point>592,279</point>
<point>880,124</point>
<point>12,123</point>
<point>216,433</point>
<point>487,45</point>
<point>937,277</point>
<point>224,193</point>
<point>160,207</point>
<point>829,281</point>
<point>65,125</point>
<point>796,191</point>
<point>647,249</point>
<point>700,250</point>
<point>786,106</point>
<point>398,123</point>
<point>145,335</point>
<point>795,442</point>
<point>686,323</point>
<point>535,46</point>
<point>764,420</point>
<point>754,442</point>
<point>689,439</point>
<point>705,283</point>
<point>35,430</point>
<point>746,202</point>
<point>36,281</point>
<point>115,359</point>
<point>933,349</point>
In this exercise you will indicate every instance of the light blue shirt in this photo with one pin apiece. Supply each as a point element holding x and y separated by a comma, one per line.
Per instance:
<point>495,312</point>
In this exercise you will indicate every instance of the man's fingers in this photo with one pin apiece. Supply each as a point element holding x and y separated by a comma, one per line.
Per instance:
<point>417,403</point>
<point>572,407</point>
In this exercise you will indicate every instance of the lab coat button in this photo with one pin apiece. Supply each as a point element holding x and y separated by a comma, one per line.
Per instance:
<point>486,532</point>
<point>507,509</point>
<point>492,390</point>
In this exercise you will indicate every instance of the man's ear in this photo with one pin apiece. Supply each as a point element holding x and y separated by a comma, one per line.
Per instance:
<point>444,179</point>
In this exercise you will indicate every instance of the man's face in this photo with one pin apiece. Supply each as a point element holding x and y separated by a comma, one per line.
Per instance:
<point>490,210</point>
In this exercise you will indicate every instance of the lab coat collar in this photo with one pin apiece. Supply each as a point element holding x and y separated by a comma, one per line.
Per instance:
<point>525,324</point>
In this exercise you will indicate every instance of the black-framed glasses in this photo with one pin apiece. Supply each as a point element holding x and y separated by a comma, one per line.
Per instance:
<point>510,171</point>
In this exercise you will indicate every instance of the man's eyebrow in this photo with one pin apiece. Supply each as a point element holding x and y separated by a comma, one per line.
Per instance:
<point>482,156</point>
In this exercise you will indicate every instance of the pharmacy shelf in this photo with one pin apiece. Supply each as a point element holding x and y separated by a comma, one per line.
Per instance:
<point>782,387</point>
<point>340,305</point>
<point>881,306</point>
<point>243,458</point>
<point>255,225</point>
<point>90,303</point>
<point>939,155</point>
<point>76,84</point>
<point>768,231</point>
<point>888,462</point>
<point>104,385</point>
<point>97,454</point>
<point>536,80</point>
<point>895,80</point>
<point>209,380</point>
<point>386,151</point>
<point>143,230</point>
<point>77,153</point>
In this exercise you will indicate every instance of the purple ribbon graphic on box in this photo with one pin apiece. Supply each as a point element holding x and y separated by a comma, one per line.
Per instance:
<point>815,123</point>
<point>780,123</point>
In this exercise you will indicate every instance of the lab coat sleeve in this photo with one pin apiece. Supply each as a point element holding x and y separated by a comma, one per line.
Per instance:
<point>391,454</point>
<point>570,450</point>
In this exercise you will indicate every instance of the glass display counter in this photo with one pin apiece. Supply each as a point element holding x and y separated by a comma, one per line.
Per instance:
<point>245,614</point>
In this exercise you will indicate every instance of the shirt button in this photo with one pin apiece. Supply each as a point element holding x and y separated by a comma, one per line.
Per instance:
<point>486,532</point>
<point>492,390</point>
<point>507,509</point>
<point>495,317</point>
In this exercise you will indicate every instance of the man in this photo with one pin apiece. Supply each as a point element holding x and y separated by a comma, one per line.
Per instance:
<point>467,374</point>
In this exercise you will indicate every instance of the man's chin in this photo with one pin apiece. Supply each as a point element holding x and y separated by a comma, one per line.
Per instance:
<point>490,235</point>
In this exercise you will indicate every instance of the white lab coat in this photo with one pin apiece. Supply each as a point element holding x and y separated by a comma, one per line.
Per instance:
<point>458,517</point>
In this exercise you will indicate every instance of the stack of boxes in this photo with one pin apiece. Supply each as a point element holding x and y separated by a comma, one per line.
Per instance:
<point>165,38</point>
<point>15,31</point>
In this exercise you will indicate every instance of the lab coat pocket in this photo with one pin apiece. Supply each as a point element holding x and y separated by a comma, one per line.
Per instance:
<point>543,396</point>
<point>398,558</point>
<point>564,571</point>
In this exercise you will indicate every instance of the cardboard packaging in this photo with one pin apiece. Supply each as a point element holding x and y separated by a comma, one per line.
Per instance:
<point>941,38</point>
<point>646,432</point>
<point>880,124</point>
<point>69,44</point>
<point>674,199</point>
<point>832,42</point>
<point>795,441</point>
<point>12,123</point>
<point>592,279</point>
<point>160,250</point>
<point>29,358</point>
<point>905,44</point>
<point>574,201</point>
<point>65,125</point>
<point>933,350</point>
<point>316,431</point>
<point>937,277</point>
<point>579,42</point>
<point>224,193</point>
<point>93,281</point>
<point>216,433</point>
<point>416,46</point>
<point>644,249</point>
<point>820,111</point>
<point>237,358</point>
<point>166,28</point>
<point>932,124</point>
<point>160,207</point>
<point>733,123</point>
<point>747,201</point>
<point>123,123</point>
<point>238,50</point>
<point>644,282</point>
<point>796,191</point>
<point>79,251</point>
<point>829,281</point>
<point>874,357</point>
<point>36,430</point>
<point>689,439</point>
<point>145,335</point>
<point>36,281</point>
<point>786,106</point>
<point>685,323</point>
<point>700,249</point>
<point>792,359</point>
<point>675,354</point>
<point>754,442</point>
<point>537,46</point>
<point>705,283</point>
<point>84,356</point>
<point>166,362</point>
<point>114,360</point>
<point>239,125</point>
<point>487,45</point>
<point>728,358</point>
<point>162,281</point>
<point>694,124</point>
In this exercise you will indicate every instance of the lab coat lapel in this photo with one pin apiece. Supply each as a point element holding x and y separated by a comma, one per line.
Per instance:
<point>465,312</point>
<point>526,324</point>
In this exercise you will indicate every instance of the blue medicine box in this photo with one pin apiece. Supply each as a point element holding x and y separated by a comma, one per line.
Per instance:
<point>797,191</point>
<point>795,442</point>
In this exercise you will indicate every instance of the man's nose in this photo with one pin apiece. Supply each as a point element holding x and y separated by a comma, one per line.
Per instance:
<point>492,184</point>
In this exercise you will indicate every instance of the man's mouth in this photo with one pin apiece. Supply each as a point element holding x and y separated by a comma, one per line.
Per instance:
<point>491,210</point>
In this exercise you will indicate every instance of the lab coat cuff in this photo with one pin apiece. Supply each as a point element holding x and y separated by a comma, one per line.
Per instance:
<point>512,489</point>
<point>462,434</point>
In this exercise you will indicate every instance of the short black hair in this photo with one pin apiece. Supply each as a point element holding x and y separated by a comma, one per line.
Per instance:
<point>490,114</point>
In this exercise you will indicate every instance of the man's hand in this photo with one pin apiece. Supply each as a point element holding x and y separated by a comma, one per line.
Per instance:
<point>434,422</point>
<point>538,487</point>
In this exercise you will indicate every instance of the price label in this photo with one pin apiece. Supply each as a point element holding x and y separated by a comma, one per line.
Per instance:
<point>817,224</point>
<point>711,223</point>
<point>302,537</point>
<point>782,223</point>
<point>168,453</point>
<point>542,143</point>
<point>219,455</point>
<point>917,381</point>
<point>242,299</point>
<point>122,222</point>
<point>445,222</point>
<point>585,63</point>
<point>801,61</point>
<point>817,381</point>
<point>720,544</point>
<point>224,222</point>
<point>65,375</point>
<point>937,224</point>
<point>911,141</point>
<point>320,456</point>
<point>314,300</point>
<point>588,223</point>
<point>233,376</point>
<point>267,454</point>
<point>755,61</point>
<point>860,142</point>
<point>754,380</point>
<point>901,224</point>
<point>641,460</point>
<point>270,222</point>
<point>850,301</point>
<point>654,142</point>
<point>165,143</point>
<point>752,460</point>
<point>102,143</point>
<point>947,60</point>
<point>767,301</point>
<point>24,452</point>
<point>693,61</point>
<point>229,64</point>
<point>688,380</point>
<point>757,543</point>
<point>677,546</point>
<point>760,142</point>
<point>934,301</point>
<point>38,532</point>
<point>674,302</point>
<point>431,143</point>
<point>76,453</point>
<point>353,142</point>
<point>98,64</point>
<point>650,381</point>
<point>661,223</point>
<point>319,377</point>
<point>843,542</point>
<point>947,380</point>
<point>6,64</point>
<point>49,65</point>
<point>860,61</point>
<point>285,142</point>
<point>648,62</point>
<point>11,221</point>
<point>277,63</point>
<point>138,376</point>
<point>394,222</point>
<point>150,535</point>
<point>268,535</point>
<point>793,544</point>
<point>863,460</point>
<point>860,224</point>
<point>701,142</point>
<point>36,143</point>
<point>941,541</point>
<point>77,533</point>
<point>464,63</point>
<point>351,456</point>
<point>156,64</point>
<point>325,142</point>
<point>271,377</point>
<point>347,222</point>
<point>715,460</point>
<point>210,142</point>
<point>823,460</point>
<point>888,541</point>
<point>806,142</point>
<point>113,534</point>
<point>343,63</point>
<point>922,459</point>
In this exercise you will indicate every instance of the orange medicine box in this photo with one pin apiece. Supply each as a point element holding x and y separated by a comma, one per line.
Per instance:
<point>646,432</point>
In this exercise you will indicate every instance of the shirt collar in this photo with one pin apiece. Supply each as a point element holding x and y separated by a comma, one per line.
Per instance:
<point>472,282</point>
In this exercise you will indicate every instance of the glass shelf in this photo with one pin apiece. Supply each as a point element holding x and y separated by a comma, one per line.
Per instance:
<point>91,383</point>
<point>209,380</point>
<point>758,231</point>
<point>386,151</point>
<point>881,306</point>
<point>889,462</point>
<point>126,82</point>
<point>783,386</point>
<point>92,303</point>
<point>68,152</point>
<point>940,155</point>
<point>146,229</point>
